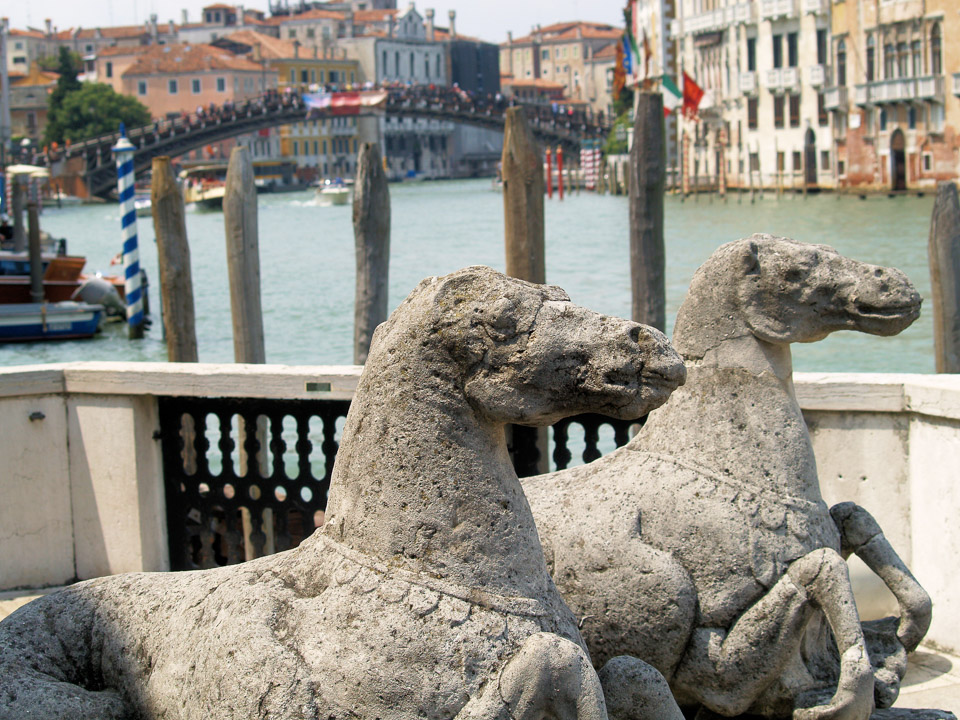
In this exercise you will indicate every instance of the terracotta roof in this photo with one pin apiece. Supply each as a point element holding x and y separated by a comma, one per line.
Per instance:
<point>607,52</point>
<point>114,50</point>
<point>443,34</point>
<point>559,32</point>
<point>219,6</point>
<point>188,59</point>
<point>36,76</point>
<point>372,16</point>
<point>270,47</point>
<point>309,15</point>
<point>114,33</point>
<point>28,33</point>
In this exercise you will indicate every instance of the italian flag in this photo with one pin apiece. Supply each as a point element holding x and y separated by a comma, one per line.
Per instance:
<point>672,97</point>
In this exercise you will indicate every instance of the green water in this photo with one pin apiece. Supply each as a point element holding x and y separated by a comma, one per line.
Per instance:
<point>307,264</point>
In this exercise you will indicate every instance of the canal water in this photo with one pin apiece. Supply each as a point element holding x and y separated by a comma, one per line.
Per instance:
<point>307,264</point>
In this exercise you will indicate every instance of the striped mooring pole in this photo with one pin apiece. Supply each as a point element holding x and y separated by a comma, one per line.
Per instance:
<point>123,151</point>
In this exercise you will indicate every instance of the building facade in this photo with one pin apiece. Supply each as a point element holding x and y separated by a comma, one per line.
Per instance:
<point>811,94</point>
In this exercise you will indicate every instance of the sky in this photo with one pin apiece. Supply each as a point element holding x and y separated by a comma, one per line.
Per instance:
<point>486,19</point>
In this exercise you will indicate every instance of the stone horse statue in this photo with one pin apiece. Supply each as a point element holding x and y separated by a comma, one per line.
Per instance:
<point>426,594</point>
<point>703,546</point>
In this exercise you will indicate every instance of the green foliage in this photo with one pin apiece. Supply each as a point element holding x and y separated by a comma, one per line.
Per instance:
<point>52,63</point>
<point>93,109</point>
<point>623,103</point>
<point>616,142</point>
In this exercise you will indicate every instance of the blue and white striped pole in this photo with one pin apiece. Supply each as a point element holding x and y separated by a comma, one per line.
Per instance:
<point>123,151</point>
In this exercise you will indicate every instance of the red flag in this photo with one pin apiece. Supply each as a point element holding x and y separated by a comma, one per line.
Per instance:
<point>692,95</point>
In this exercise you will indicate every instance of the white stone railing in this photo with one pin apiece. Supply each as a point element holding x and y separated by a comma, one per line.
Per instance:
<point>835,98</point>
<point>82,492</point>
<point>926,87</point>
<point>748,83</point>
<point>777,8</point>
<point>817,75</point>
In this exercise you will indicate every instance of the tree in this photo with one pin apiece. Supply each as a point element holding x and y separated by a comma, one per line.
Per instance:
<point>52,63</point>
<point>94,109</point>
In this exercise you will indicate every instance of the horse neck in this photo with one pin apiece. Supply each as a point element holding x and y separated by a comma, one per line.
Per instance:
<point>737,414</point>
<point>424,483</point>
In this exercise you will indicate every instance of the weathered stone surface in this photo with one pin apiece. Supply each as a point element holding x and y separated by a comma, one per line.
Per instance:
<point>703,546</point>
<point>425,595</point>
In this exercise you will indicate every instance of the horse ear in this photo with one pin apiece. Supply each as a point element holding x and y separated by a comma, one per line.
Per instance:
<point>750,258</point>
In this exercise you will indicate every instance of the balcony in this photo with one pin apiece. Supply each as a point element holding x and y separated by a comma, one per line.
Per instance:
<point>744,13</point>
<point>748,83</point>
<point>956,84</point>
<point>705,22</point>
<point>835,98</point>
<point>817,75</point>
<point>770,9</point>
<point>897,90</point>
<point>782,80</point>
<point>817,7</point>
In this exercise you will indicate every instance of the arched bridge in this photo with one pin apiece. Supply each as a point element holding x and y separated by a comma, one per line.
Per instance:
<point>551,125</point>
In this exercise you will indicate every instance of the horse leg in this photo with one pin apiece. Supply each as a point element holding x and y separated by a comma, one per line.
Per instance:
<point>727,670</point>
<point>634,690</point>
<point>861,535</point>
<point>549,677</point>
<point>824,576</point>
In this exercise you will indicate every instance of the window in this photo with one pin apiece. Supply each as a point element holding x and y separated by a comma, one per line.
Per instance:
<point>752,54</point>
<point>311,32</point>
<point>822,117</point>
<point>795,110</point>
<point>903,60</point>
<point>871,59</point>
<point>936,59</point>
<point>172,87</point>
<point>576,52</point>
<point>412,71</point>
<point>752,113</point>
<point>912,117</point>
<point>314,147</point>
<point>324,147</point>
<point>396,64</point>
<point>917,58</point>
<point>883,119</point>
<point>313,76</point>
<point>291,34</point>
<point>797,161</point>
<point>842,168</point>
<point>221,84</point>
<point>296,147</point>
<point>822,46</point>
<point>426,65</point>
<point>545,54</point>
<point>778,51</point>
<point>195,86</point>
<point>841,63</point>
<point>791,49</point>
<point>304,76</point>
<point>778,111</point>
<point>825,160</point>
<point>293,76</point>
<point>889,60</point>
<point>927,161</point>
<point>383,68</point>
<point>754,162</point>
<point>109,72</point>
<point>141,87</point>
<point>556,53</point>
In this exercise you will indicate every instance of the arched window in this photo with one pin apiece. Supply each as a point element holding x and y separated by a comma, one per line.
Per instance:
<point>841,62</point>
<point>936,58</point>
<point>871,59</point>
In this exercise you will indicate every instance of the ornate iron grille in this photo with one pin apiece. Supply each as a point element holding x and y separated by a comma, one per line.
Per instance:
<point>247,477</point>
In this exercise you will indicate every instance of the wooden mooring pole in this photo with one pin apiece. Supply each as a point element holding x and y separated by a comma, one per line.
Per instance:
<point>523,179</point>
<point>647,168</point>
<point>36,257</point>
<point>944,257</point>
<point>371,233</point>
<point>243,258</point>
<point>522,200</point>
<point>173,257</point>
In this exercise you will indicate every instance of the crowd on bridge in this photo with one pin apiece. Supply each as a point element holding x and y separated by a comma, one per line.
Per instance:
<point>400,98</point>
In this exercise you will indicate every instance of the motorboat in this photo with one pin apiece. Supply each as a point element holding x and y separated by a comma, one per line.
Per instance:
<point>334,192</point>
<point>63,279</point>
<point>204,186</point>
<point>67,320</point>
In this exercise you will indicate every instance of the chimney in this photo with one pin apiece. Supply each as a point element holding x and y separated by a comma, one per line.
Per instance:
<point>453,23</point>
<point>97,34</point>
<point>49,23</point>
<point>296,48</point>
<point>171,29</point>
<point>392,26</point>
<point>183,17</point>
<point>241,21</point>
<point>154,32</point>
<point>429,23</point>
